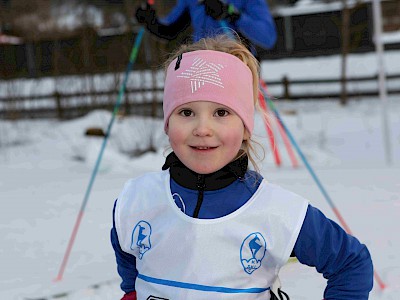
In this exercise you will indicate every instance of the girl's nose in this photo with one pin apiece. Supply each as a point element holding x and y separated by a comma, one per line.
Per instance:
<point>202,128</point>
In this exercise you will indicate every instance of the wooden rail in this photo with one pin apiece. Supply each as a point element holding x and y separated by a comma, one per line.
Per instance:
<point>62,106</point>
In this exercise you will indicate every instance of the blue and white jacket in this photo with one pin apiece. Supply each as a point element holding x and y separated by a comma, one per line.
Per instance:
<point>255,23</point>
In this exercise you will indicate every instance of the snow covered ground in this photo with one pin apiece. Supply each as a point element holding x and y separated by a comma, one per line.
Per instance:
<point>45,166</point>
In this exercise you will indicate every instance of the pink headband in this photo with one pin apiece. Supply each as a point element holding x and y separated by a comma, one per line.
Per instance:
<point>207,75</point>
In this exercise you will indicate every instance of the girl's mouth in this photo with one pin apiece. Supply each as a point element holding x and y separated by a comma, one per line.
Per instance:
<point>202,148</point>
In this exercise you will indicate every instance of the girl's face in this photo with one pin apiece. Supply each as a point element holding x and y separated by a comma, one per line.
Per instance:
<point>205,136</point>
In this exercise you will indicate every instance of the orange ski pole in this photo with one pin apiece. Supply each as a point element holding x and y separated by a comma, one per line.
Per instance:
<point>283,134</point>
<point>268,128</point>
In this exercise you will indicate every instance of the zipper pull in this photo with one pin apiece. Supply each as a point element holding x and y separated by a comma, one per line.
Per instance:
<point>200,182</point>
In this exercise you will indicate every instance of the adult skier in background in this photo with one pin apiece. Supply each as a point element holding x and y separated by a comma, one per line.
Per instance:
<point>251,19</point>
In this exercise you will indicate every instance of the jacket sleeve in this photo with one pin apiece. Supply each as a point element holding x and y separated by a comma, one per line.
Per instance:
<point>177,11</point>
<point>126,263</point>
<point>171,25</point>
<point>340,257</point>
<point>257,24</point>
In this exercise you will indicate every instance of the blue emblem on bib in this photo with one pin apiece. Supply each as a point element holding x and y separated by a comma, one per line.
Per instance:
<point>252,252</point>
<point>141,238</point>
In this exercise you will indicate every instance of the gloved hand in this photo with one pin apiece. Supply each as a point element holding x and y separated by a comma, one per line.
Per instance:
<point>145,14</point>
<point>220,10</point>
<point>129,296</point>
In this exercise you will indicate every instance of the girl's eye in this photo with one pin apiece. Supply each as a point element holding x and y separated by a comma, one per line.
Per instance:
<point>222,113</point>
<point>186,112</point>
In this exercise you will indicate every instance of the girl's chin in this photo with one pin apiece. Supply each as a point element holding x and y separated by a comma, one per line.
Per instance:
<point>203,169</point>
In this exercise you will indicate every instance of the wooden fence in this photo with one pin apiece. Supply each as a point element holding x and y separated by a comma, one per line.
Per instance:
<point>59,105</point>
<point>148,101</point>
<point>352,90</point>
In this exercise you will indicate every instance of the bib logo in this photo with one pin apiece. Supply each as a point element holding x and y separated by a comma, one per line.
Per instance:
<point>141,238</point>
<point>252,252</point>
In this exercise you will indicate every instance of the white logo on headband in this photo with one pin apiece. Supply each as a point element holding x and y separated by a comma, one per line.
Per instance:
<point>202,72</point>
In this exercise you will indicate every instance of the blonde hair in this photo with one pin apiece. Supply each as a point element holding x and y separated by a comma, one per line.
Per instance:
<point>234,47</point>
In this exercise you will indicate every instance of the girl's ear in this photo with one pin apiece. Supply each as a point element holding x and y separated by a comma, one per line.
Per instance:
<point>246,134</point>
<point>166,129</point>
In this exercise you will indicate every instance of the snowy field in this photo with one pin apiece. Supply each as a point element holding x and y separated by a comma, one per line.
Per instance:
<point>45,166</point>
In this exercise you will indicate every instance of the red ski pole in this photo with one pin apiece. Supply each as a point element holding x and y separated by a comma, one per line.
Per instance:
<point>283,134</point>
<point>268,128</point>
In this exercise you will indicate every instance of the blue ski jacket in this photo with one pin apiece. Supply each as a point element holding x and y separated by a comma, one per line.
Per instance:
<point>255,22</point>
<point>323,244</point>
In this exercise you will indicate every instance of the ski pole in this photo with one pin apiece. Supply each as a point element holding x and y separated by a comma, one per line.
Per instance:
<point>305,161</point>
<point>314,176</point>
<point>283,134</point>
<point>224,25</point>
<point>121,93</point>
<point>268,128</point>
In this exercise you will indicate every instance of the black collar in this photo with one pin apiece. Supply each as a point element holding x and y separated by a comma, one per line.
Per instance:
<point>209,182</point>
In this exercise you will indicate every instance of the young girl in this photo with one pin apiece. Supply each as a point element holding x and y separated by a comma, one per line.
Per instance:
<point>207,227</point>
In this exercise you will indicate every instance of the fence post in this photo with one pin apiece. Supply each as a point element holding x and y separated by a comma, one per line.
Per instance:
<point>285,82</point>
<point>127,104</point>
<point>60,112</point>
